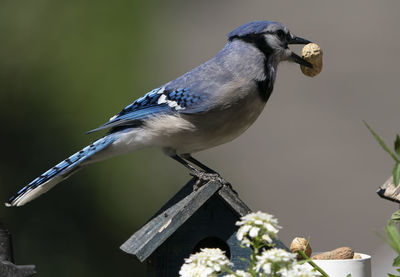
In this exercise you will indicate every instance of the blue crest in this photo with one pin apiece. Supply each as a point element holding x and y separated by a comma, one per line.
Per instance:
<point>255,27</point>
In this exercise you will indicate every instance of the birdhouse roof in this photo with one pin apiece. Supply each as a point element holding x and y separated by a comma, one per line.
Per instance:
<point>175,213</point>
<point>389,191</point>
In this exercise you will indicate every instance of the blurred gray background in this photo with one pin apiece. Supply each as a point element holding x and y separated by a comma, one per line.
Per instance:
<point>67,66</point>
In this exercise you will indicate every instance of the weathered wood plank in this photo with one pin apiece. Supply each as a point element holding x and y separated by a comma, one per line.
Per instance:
<point>233,200</point>
<point>7,267</point>
<point>156,231</point>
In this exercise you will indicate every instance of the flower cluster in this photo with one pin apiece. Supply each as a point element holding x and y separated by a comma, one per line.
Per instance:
<point>274,260</point>
<point>255,224</point>
<point>258,231</point>
<point>207,263</point>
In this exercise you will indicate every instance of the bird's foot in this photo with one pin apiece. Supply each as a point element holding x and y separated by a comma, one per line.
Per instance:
<point>203,177</point>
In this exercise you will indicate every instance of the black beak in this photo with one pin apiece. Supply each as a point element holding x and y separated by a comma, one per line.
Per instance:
<point>298,40</point>
<point>295,57</point>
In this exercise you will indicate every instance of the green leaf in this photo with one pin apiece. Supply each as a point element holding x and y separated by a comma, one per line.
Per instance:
<point>348,275</point>
<point>382,143</point>
<point>396,261</point>
<point>397,145</point>
<point>396,174</point>
<point>395,217</point>
<point>393,236</point>
<point>391,275</point>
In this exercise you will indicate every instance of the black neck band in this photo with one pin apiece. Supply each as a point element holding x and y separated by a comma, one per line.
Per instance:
<point>266,86</point>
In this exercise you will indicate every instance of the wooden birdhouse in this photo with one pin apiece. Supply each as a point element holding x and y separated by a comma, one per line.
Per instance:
<point>389,191</point>
<point>7,266</point>
<point>191,220</point>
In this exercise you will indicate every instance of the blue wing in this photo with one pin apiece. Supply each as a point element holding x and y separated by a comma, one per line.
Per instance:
<point>158,101</point>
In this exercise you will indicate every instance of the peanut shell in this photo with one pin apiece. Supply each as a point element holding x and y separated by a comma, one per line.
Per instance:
<point>300,244</point>
<point>336,254</point>
<point>312,53</point>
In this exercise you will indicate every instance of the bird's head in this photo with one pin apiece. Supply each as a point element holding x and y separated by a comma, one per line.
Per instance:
<point>271,38</point>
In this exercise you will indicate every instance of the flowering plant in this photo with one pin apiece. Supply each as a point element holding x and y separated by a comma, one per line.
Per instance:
<point>257,231</point>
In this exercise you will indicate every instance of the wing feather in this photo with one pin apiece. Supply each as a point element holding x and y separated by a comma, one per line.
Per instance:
<point>158,101</point>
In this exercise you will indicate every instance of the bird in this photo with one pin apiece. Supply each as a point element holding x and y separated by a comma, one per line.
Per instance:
<point>210,105</point>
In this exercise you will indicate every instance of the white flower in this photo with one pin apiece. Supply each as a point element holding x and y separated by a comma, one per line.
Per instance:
<point>255,224</point>
<point>275,260</point>
<point>239,273</point>
<point>189,270</point>
<point>207,263</point>
<point>254,232</point>
<point>299,271</point>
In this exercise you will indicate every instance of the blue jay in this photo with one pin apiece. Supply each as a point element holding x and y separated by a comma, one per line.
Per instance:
<point>208,106</point>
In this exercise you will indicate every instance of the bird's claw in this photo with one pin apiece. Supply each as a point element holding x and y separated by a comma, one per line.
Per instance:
<point>203,176</point>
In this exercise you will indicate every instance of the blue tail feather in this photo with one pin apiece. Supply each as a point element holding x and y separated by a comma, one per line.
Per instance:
<point>58,173</point>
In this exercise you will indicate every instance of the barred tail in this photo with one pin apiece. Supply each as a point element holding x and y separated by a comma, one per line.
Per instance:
<point>58,173</point>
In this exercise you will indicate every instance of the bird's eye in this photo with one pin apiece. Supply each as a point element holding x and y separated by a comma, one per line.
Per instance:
<point>280,34</point>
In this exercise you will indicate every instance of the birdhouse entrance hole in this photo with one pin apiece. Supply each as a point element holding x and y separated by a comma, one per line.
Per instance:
<point>213,242</point>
